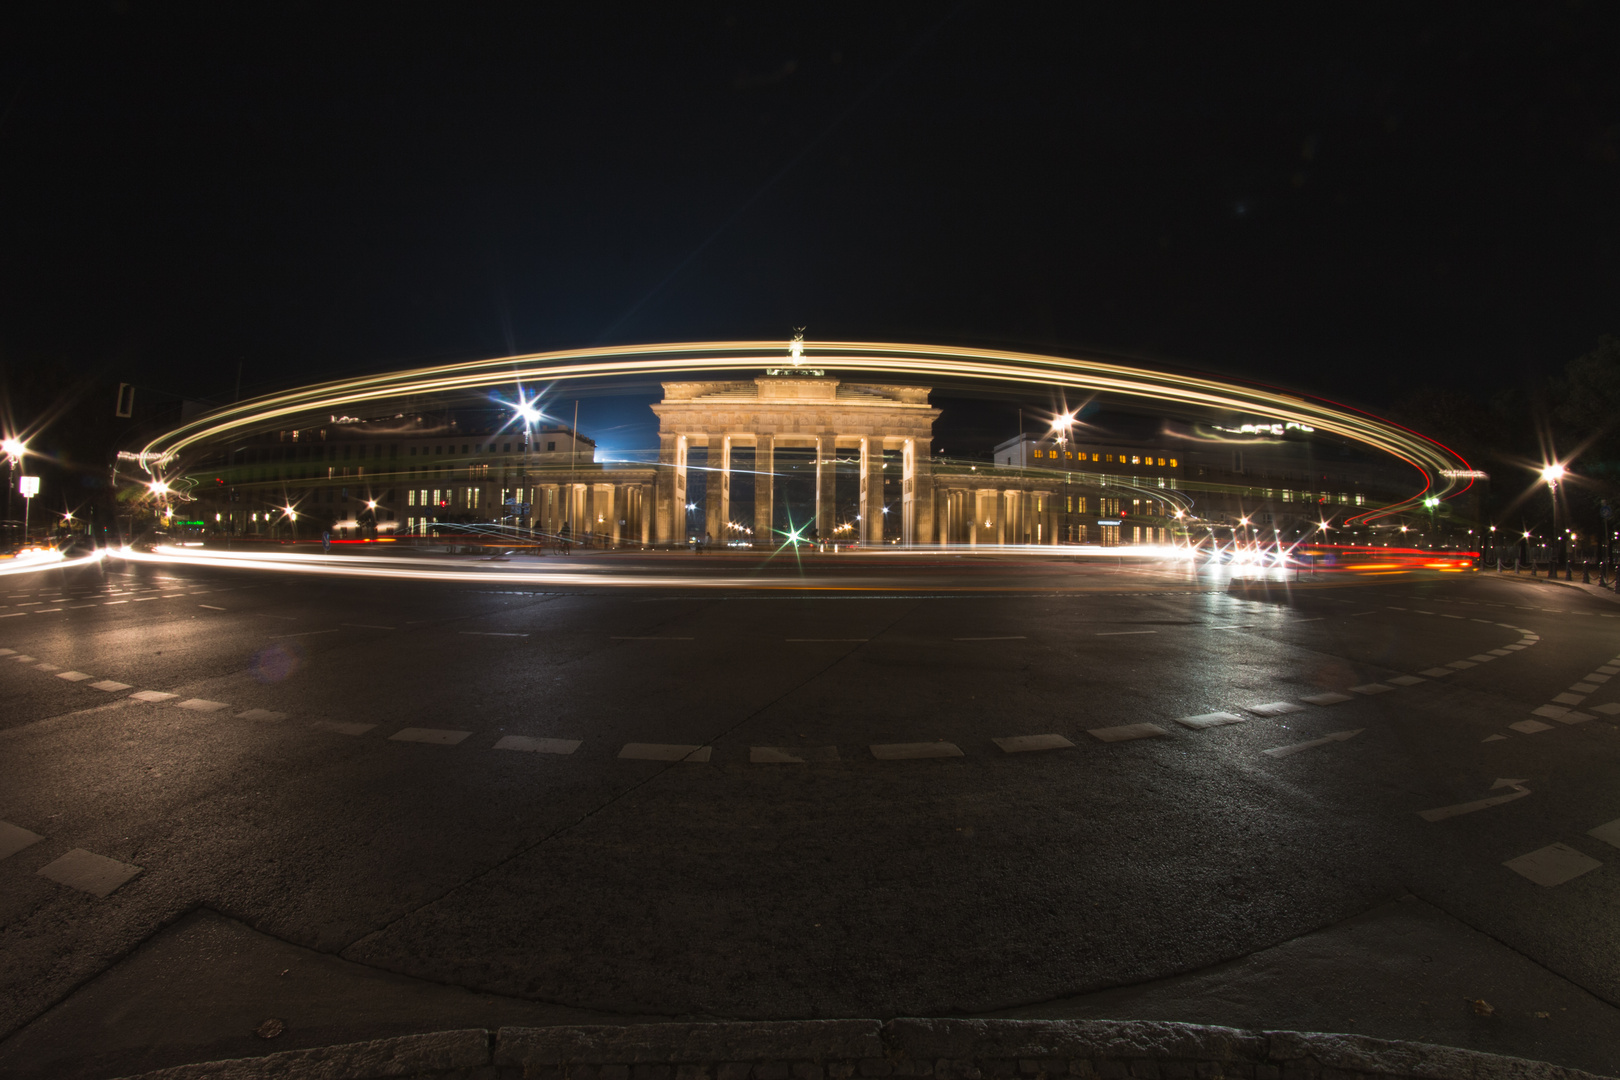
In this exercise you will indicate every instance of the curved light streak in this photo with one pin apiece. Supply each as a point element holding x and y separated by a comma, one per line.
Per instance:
<point>1427,456</point>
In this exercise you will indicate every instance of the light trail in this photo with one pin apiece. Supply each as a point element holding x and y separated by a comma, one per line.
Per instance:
<point>1428,457</point>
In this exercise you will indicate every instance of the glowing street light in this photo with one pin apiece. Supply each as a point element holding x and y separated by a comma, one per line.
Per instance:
<point>14,449</point>
<point>1553,473</point>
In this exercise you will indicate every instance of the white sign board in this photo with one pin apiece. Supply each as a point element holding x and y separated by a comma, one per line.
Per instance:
<point>28,485</point>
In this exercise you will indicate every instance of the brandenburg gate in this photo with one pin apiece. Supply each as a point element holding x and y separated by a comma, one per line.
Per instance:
<point>799,411</point>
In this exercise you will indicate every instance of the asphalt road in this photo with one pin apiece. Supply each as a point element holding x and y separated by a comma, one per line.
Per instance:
<point>905,864</point>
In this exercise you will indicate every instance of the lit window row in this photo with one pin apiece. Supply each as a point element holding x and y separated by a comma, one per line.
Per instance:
<point>1133,459</point>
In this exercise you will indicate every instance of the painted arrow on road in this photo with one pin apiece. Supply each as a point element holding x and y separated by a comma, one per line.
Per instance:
<point>1519,791</point>
<point>1337,736</point>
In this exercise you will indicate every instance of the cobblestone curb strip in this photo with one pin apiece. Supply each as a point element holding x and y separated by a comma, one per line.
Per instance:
<point>869,1049</point>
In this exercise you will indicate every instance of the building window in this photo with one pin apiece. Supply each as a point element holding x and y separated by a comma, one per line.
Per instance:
<point>506,448</point>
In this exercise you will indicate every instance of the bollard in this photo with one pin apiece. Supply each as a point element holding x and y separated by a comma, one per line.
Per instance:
<point>1569,570</point>
<point>1586,573</point>
<point>1532,568</point>
<point>1499,564</point>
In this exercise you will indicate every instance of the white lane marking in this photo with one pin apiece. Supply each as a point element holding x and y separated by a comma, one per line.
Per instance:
<point>23,659</point>
<point>1329,698</point>
<point>905,751</point>
<point>8,652</point>
<point>810,639</point>
<point>1551,712</point>
<point>1392,607</point>
<point>110,603</point>
<point>211,607</point>
<point>1487,622</point>
<point>203,705</point>
<point>1493,738</point>
<point>1461,665</point>
<point>1500,652</point>
<point>1569,699</point>
<point>1275,708</point>
<point>365,626</point>
<point>152,695</point>
<point>1015,637</point>
<point>1530,727</point>
<point>538,746</point>
<point>1245,626</point>
<point>1359,614</point>
<point>1437,672</point>
<point>1584,688</point>
<point>1609,833</point>
<point>73,676</point>
<point>302,633</point>
<point>1595,678</point>
<point>1118,633</point>
<point>47,667</point>
<point>31,603</point>
<point>1127,732</point>
<point>1337,736</point>
<point>1553,865</point>
<point>142,599</point>
<point>13,838</point>
<point>1407,680</point>
<point>1574,717</point>
<point>110,686</point>
<point>1482,658</point>
<point>261,714</point>
<point>437,736</point>
<point>1609,669</point>
<point>1209,720</point>
<point>88,872</point>
<point>791,755</point>
<point>1447,615</point>
<point>334,725</point>
<point>1317,618</point>
<point>621,637</point>
<point>12,614</point>
<point>1608,708</point>
<point>1019,744</point>
<point>47,610</point>
<point>81,607</point>
<point>644,751</point>
<point>1442,813</point>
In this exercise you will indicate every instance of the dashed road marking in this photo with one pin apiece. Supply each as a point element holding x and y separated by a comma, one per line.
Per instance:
<point>1329,698</point>
<point>1442,813</point>
<point>1609,833</point>
<point>803,640</point>
<point>73,676</point>
<point>1371,688</point>
<point>338,726</point>
<point>1288,751</point>
<point>1275,708</point>
<point>13,838</point>
<point>211,607</point>
<point>202,705</point>
<point>1127,732</point>
<point>88,872</point>
<point>365,626</point>
<point>1019,744</point>
<point>623,637</point>
<point>1113,633</point>
<point>1530,727</point>
<point>1553,864</point>
<point>152,695</point>
<point>261,714</point>
<point>1209,720</point>
<point>110,686</point>
<point>1437,672</point>
<point>1407,680</point>
<point>1014,637</point>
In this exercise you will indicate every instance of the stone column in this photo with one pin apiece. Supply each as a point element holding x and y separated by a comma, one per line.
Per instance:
<point>605,520</point>
<point>872,490</point>
<point>922,492</point>
<point>999,522</point>
<point>764,487</point>
<point>680,488</point>
<point>717,487</point>
<point>665,521</point>
<point>644,505</point>
<point>826,486</point>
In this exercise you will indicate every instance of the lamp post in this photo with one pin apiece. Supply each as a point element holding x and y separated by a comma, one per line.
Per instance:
<point>1062,423</point>
<point>14,449</point>
<point>1552,474</point>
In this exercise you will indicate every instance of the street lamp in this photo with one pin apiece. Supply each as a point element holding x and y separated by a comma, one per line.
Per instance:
<point>1551,474</point>
<point>14,449</point>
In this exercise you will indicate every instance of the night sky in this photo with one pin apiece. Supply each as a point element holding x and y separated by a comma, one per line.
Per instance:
<point>1352,202</point>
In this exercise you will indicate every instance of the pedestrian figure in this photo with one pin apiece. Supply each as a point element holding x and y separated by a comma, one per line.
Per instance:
<point>562,539</point>
<point>326,541</point>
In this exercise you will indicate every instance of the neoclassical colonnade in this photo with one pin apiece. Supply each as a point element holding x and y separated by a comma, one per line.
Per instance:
<point>794,410</point>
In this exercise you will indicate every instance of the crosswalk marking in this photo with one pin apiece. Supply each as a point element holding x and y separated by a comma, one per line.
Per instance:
<point>1209,720</point>
<point>89,872</point>
<point>1275,708</point>
<point>437,736</point>
<point>1127,732</point>
<point>1553,865</point>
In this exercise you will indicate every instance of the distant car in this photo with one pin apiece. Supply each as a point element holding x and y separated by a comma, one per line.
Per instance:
<point>76,545</point>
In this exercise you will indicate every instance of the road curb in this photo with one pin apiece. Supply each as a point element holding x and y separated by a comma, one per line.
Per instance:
<point>872,1049</point>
